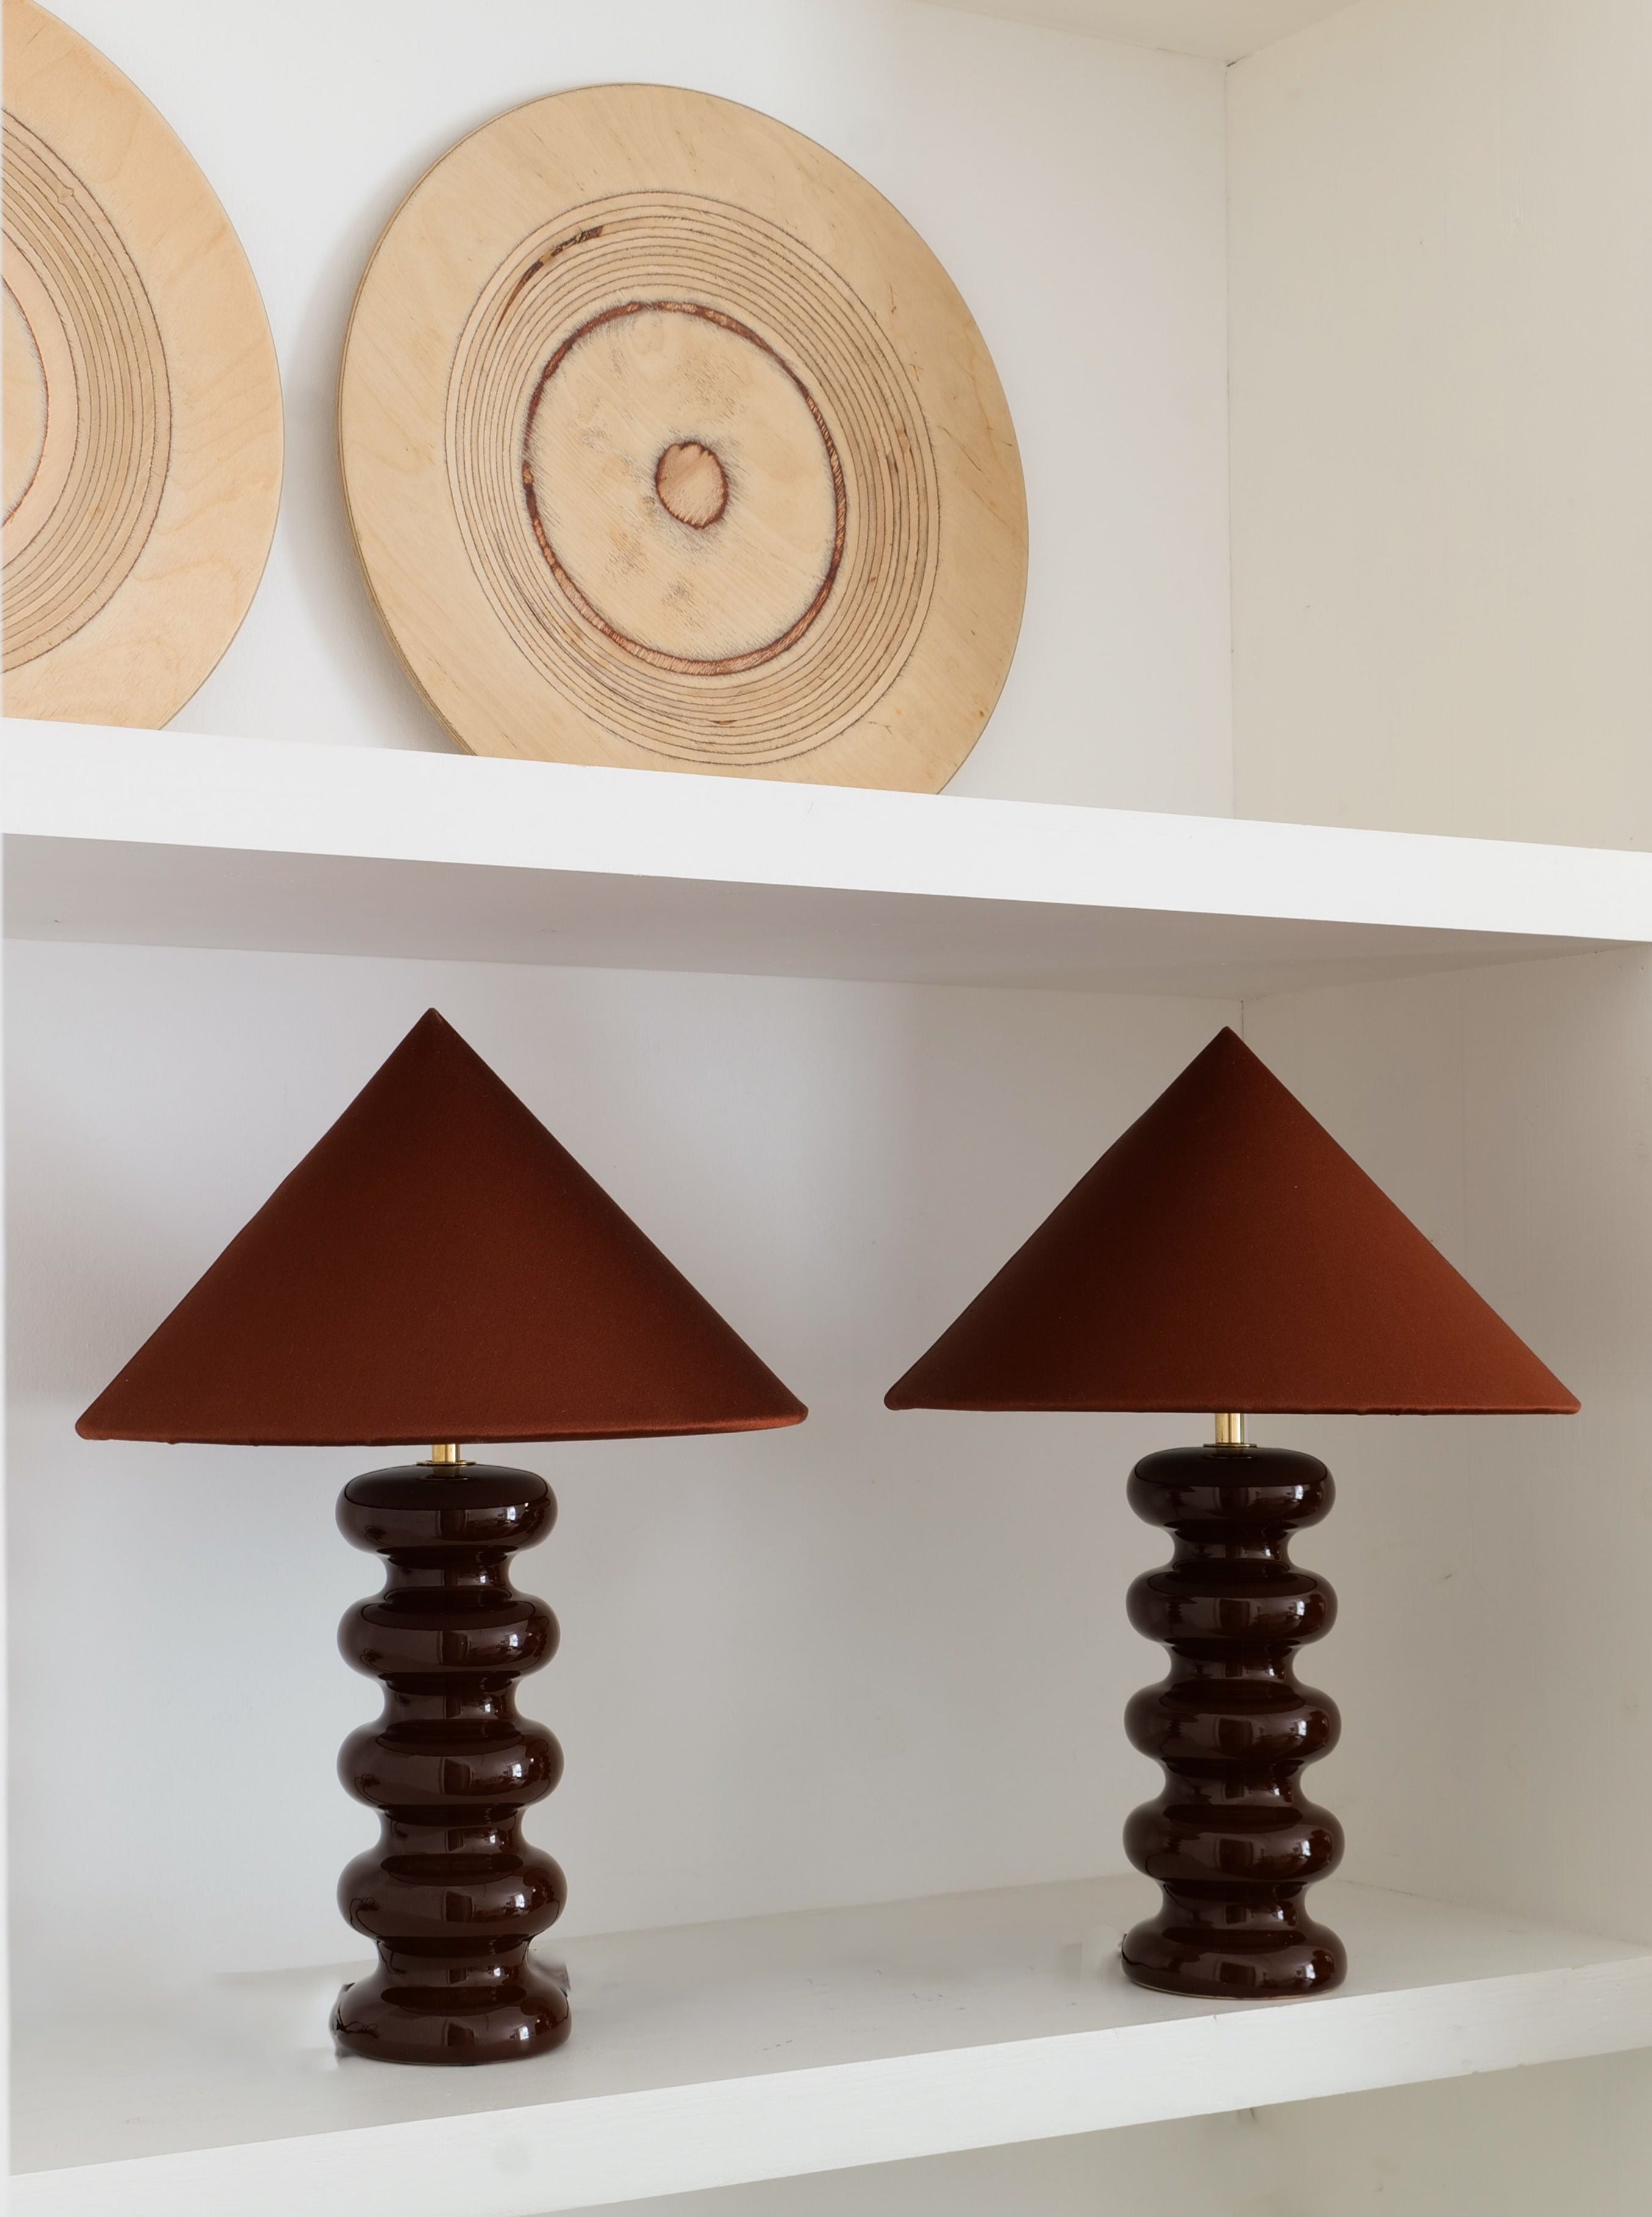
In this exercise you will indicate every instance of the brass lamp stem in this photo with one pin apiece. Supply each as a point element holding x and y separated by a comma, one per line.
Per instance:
<point>1230,1430</point>
<point>444,1454</point>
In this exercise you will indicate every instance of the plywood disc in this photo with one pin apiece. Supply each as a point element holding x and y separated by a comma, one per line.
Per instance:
<point>143,408</point>
<point>667,441</point>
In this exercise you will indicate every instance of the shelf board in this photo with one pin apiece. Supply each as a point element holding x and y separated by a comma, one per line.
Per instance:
<point>172,839</point>
<point>1181,27</point>
<point>716,2054</point>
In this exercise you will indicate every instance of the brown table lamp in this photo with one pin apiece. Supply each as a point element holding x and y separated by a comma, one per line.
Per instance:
<point>438,1268</point>
<point>1226,1255</point>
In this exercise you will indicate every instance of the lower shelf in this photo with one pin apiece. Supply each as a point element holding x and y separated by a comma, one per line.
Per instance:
<point>716,2054</point>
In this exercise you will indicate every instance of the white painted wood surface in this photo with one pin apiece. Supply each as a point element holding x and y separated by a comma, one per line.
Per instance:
<point>176,839</point>
<point>1225,29</point>
<point>715,2054</point>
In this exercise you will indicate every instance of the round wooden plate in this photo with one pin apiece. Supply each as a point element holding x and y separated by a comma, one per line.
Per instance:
<point>667,442</point>
<point>143,407</point>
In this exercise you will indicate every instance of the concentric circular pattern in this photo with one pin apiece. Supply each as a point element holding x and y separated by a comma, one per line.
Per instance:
<point>667,443</point>
<point>770,555</point>
<point>88,411</point>
<point>143,405</point>
<point>660,338</point>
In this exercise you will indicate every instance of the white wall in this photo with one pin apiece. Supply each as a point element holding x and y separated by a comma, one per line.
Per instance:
<point>1074,189</point>
<point>1491,1658</point>
<point>1441,286</point>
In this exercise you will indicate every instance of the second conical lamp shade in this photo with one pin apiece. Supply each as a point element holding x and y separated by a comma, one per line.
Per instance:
<point>1227,1254</point>
<point>439,1268</point>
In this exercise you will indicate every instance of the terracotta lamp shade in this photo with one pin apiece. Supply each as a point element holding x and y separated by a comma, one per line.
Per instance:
<point>438,1269</point>
<point>1226,1255</point>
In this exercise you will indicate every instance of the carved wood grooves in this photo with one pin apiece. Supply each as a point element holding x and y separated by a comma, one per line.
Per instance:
<point>86,374</point>
<point>451,1895</point>
<point>667,443</point>
<point>803,400</point>
<point>143,405</point>
<point>1231,1840</point>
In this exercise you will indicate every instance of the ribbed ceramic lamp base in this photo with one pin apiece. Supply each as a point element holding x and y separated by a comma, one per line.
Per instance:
<point>1230,1839</point>
<point>452,1895</point>
<point>420,2008</point>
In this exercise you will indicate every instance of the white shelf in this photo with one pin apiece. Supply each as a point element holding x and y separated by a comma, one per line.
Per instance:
<point>713,2055</point>
<point>173,839</point>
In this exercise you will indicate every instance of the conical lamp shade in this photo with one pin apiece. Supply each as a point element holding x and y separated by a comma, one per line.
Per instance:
<point>438,1268</point>
<point>1226,1254</point>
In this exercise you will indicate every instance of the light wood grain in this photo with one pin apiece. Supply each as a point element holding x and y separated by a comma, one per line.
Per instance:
<point>143,410</point>
<point>667,443</point>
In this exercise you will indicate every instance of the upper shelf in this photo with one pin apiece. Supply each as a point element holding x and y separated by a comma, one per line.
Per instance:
<point>714,2054</point>
<point>168,838</point>
<point>1226,34</point>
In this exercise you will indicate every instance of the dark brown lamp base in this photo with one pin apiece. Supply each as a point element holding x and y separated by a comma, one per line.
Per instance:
<point>452,1895</point>
<point>1230,1839</point>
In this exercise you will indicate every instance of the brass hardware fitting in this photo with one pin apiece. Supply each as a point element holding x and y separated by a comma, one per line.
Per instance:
<point>1230,1431</point>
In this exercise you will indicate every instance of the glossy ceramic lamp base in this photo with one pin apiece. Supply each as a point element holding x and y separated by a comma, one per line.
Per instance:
<point>1230,1840</point>
<point>425,2009</point>
<point>437,1259</point>
<point>451,1895</point>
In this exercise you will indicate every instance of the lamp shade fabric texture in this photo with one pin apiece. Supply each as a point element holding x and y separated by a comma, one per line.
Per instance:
<point>1227,1254</point>
<point>439,1268</point>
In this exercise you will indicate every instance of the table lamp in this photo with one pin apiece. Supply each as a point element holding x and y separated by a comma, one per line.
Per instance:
<point>1226,1255</point>
<point>438,1268</point>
